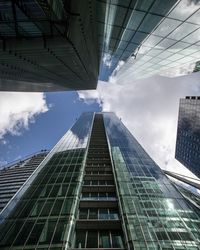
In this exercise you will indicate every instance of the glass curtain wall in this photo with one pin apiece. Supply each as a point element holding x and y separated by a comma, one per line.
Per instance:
<point>44,215</point>
<point>156,215</point>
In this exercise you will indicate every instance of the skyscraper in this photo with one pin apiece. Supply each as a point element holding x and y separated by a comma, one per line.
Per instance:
<point>13,176</point>
<point>173,41</point>
<point>48,45</point>
<point>69,45</point>
<point>188,134</point>
<point>99,189</point>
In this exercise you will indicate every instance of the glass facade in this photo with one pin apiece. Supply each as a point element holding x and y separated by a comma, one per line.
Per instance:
<point>44,46</point>
<point>170,40</point>
<point>156,215</point>
<point>99,189</point>
<point>44,215</point>
<point>123,26</point>
<point>188,134</point>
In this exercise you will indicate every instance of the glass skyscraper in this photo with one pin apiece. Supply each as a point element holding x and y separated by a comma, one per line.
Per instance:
<point>99,189</point>
<point>188,134</point>
<point>68,44</point>
<point>173,42</point>
<point>48,45</point>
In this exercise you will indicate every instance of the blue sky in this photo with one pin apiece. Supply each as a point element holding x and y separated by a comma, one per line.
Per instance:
<point>148,108</point>
<point>48,127</point>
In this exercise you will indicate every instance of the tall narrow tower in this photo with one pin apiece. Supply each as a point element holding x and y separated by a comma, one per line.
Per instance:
<point>99,189</point>
<point>188,134</point>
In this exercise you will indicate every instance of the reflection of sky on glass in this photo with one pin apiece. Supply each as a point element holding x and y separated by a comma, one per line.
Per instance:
<point>77,136</point>
<point>134,154</point>
<point>173,43</point>
<point>147,197</point>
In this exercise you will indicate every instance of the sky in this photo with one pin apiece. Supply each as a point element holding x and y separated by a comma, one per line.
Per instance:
<point>148,107</point>
<point>34,121</point>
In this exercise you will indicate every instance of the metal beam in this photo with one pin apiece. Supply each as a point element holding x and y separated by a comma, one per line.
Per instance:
<point>182,178</point>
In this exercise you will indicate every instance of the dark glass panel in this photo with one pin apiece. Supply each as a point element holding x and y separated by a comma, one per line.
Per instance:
<point>104,239</point>
<point>117,240</point>
<point>92,239</point>
<point>80,239</point>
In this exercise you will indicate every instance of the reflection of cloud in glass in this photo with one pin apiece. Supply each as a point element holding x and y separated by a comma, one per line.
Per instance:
<point>77,136</point>
<point>173,43</point>
<point>132,152</point>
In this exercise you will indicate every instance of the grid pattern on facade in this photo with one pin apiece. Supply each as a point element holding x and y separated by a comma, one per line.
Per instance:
<point>123,26</point>
<point>44,43</point>
<point>170,39</point>
<point>188,134</point>
<point>98,224</point>
<point>13,177</point>
<point>44,215</point>
<point>156,214</point>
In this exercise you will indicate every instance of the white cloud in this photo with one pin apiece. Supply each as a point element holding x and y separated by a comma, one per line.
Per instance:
<point>149,108</point>
<point>17,110</point>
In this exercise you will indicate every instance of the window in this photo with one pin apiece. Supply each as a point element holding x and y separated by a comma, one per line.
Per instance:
<point>116,240</point>
<point>104,239</point>
<point>92,239</point>
<point>98,239</point>
<point>103,214</point>
<point>80,239</point>
<point>83,213</point>
<point>93,213</point>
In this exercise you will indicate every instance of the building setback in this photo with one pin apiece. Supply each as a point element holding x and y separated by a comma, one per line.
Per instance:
<point>188,134</point>
<point>99,189</point>
<point>14,176</point>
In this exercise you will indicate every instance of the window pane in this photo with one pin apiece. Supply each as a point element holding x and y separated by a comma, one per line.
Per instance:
<point>47,208</point>
<point>47,232</point>
<point>92,239</point>
<point>117,240</point>
<point>103,214</point>
<point>22,237</point>
<point>93,213</point>
<point>67,206</point>
<point>35,234</point>
<point>104,240</point>
<point>60,231</point>
<point>83,213</point>
<point>113,214</point>
<point>57,207</point>
<point>80,239</point>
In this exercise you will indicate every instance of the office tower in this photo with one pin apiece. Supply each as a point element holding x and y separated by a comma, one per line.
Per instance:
<point>124,26</point>
<point>188,134</point>
<point>48,45</point>
<point>99,189</point>
<point>13,176</point>
<point>197,67</point>
<point>173,41</point>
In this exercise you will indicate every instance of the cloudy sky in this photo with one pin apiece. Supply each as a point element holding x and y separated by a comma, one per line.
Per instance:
<point>148,107</point>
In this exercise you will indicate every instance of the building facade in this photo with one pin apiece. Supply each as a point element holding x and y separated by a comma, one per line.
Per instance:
<point>188,134</point>
<point>12,177</point>
<point>171,41</point>
<point>98,189</point>
<point>48,45</point>
<point>69,45</point>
